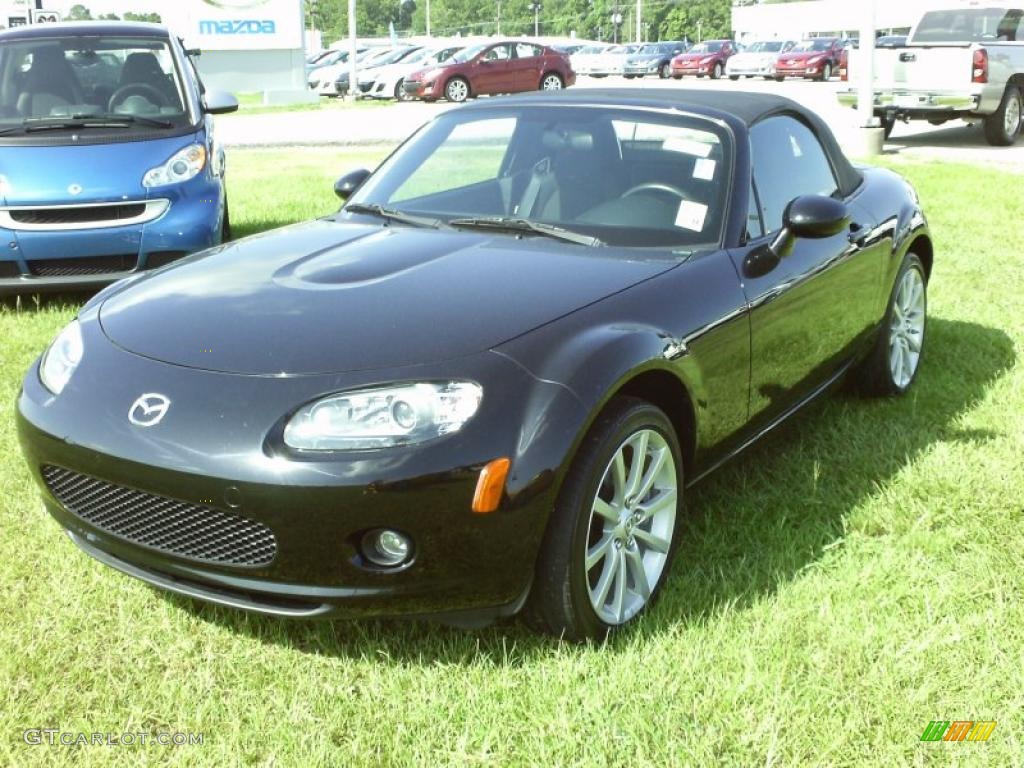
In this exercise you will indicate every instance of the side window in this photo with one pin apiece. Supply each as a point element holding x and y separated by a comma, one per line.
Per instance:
<point>497,53</point>
<point>526,51</point>
<point>788,162</point>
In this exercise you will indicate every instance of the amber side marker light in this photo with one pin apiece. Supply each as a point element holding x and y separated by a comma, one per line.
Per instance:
<point>490,486</point>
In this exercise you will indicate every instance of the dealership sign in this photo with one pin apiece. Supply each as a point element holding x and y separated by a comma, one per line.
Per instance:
<point>221,25</point>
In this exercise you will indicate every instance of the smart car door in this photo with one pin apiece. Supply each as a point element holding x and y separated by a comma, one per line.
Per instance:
<point>809,312</point>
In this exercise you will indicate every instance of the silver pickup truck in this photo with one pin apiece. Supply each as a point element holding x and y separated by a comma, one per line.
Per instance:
<point>959,63</point>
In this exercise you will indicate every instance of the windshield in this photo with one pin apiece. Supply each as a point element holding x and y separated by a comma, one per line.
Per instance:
<point>821,44</point>
<point>399,54</point>
<point>969,25</point>
<point>766,46</point>
<point>78,76</point>
<point>628,178</point>
<point>706,48</point>
<point>592,49</point>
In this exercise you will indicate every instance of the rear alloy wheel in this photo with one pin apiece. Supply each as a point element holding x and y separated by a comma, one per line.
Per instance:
<point>1003,126</point>
<point>457,90</point>
<point>551,82</point>
<point>614,528</point>
<point>892,365</point>
<point>716,73</point>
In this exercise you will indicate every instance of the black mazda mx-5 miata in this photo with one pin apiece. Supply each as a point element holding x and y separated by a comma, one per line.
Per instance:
<point>482,386</point>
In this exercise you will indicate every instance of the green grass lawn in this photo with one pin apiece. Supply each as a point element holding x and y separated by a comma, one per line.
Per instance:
<point>252,104</point>
<point>851,578</point>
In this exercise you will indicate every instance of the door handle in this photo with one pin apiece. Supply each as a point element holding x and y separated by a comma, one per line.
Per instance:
<point>858,235</point>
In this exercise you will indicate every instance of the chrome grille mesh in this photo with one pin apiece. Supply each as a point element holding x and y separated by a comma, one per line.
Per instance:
<point>175,527</point>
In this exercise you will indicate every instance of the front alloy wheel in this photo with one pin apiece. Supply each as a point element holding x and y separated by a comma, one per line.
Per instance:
<point>613,531</point>
<point>456,90</point>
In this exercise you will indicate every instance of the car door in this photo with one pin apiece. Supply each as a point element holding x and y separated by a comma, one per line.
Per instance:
<point>493,70</point>
<point>812,311</point>
<point>526,67</point>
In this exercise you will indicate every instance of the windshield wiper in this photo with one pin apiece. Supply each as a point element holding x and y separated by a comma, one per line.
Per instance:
<point>90,121</point>
<point>375,209</point>
<point>508,224</point>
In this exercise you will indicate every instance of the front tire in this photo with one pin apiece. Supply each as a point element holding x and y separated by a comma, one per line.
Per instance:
<point>734,78</point>
<point>892,365</point>
<point>826,72</point>
<point>1003,126</point>
<point>456,90</point>
<point>664,72</point>
<point>716,73</point>
<point>613,531</point>
<point>225,224</point>
<point>400,94</point>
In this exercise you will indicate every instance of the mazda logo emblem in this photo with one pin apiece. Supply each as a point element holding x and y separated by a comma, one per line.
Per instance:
<point>148,409</point>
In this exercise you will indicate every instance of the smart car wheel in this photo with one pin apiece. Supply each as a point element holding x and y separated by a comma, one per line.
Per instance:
<point>892,365</point>
<point>614,528</point>
<point>456,90</point>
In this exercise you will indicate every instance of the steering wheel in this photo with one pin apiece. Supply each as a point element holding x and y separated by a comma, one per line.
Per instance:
<point>655,186</point>
<point>142,89</point>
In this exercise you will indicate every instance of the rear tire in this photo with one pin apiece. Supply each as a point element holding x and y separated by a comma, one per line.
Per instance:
<point>552,81</point>
<point>888,123</point>
<point>628,540</point>
<point>677,77</point>
<point>1003,126</point>
<point>734,77</point>
<point>893,362</point>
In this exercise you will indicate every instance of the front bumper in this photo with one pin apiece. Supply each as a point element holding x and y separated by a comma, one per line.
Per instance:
<point>799,70</point>
<point>916,103</point>
<point>464,564</point>
<point>765,70</point>
<point>43,260</point>
<point>432,89</point>
<point>693,69</point>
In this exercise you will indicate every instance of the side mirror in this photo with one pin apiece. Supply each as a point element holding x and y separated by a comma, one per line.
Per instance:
<point>219,102</point>
<point>810,217</point>
<point>350,182</point>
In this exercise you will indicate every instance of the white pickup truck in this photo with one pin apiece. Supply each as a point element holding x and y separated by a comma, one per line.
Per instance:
<point>965,62</point>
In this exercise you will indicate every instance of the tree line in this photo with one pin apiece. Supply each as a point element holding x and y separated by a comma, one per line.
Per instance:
<point>588,19</point>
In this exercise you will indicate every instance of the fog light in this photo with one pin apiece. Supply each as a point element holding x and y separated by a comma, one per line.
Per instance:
<point>386,548</point>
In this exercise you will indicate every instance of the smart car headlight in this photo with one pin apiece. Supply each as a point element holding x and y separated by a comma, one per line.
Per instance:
<point>182,166</point>
<point>383,417</point>
<point>61,358</point>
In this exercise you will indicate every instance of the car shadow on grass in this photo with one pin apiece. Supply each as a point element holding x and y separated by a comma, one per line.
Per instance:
<point>751,528</point>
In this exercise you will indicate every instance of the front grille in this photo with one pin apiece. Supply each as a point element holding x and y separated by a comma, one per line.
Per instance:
<point>9,269</point>
<point>170,526</point>
<point>77,215</point>
<point>163,258</point>
<point>88,265</point>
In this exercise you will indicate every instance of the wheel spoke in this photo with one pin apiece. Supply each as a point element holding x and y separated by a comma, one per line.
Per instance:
<point>650,540</point>
<point>619,600</point>
<point>611,567</point>
<point>659,503</point>
<point>606,510</point>
<point>619,476</point>
<point>914,340</point>
<point>639,444</point>
<point>657,462</point>
<point>636,567</point>
<point>897,373</point>
<point>599,551</point>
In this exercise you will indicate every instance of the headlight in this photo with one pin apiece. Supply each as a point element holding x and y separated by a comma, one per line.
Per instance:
<point>61,358</point>
<point>182,166</point>
<point>816,60</point>
<point>430,75</point>
<point>707,59</point>
<point>383,417</point>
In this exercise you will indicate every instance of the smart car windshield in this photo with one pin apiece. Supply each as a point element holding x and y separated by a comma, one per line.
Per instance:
<point>625,177</point>
<point>96,82</point>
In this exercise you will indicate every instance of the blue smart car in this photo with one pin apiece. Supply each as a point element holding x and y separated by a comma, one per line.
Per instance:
<point>108,160</point>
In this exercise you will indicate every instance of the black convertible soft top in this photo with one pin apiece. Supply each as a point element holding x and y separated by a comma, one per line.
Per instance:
<point>741,109</point>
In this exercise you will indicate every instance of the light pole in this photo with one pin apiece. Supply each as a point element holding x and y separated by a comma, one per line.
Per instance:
<point>616,23</point>
<point>536,7</point>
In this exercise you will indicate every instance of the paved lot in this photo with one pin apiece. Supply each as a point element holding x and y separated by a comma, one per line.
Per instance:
<point>956,141</point>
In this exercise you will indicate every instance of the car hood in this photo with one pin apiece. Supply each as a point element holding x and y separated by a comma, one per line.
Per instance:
<point>85,173</point>
<point>802,55</point>
<point>330,297</point>
<point>694,56</point>
<point>643,58</point>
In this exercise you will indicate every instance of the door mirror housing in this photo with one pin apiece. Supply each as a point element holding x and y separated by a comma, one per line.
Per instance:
<point>219,102</point>
<point>812,217</point>
<point>350,182</point>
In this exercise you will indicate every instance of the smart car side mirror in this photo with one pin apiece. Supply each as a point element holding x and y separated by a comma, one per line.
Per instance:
<point>350,182</point>
<point>219,102</point>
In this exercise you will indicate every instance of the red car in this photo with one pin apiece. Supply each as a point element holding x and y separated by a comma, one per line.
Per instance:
<point>814,59</point>
<point>505,67</point>
<point>707,58</point>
